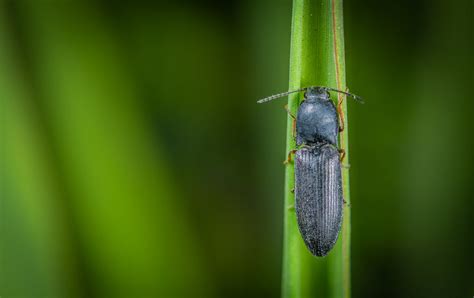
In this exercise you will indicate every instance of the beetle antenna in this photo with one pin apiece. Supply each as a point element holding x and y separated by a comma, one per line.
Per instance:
<point>356,97</point>
<point>280,95</point>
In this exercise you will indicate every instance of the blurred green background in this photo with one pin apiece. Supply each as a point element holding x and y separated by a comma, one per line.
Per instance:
<point>135,162</point>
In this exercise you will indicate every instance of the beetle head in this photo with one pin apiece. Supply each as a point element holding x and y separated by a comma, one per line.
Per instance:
<point>317,94</point>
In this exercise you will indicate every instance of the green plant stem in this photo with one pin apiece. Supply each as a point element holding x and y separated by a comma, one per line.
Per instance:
<point>316,59</point>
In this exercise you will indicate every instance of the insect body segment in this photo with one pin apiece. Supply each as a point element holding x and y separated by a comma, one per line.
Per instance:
<point>318,180</point>
<point>318,194</point>
<point>316,121</point>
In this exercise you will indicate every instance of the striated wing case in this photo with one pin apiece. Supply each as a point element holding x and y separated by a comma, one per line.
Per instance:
<point>318,197</point>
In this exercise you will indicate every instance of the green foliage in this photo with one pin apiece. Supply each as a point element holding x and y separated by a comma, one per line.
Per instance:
<point>134,159</point>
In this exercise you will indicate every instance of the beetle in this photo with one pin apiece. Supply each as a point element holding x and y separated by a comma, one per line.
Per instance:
<point>318,178</point>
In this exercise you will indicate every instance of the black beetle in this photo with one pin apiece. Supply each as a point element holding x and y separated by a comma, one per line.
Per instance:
<point>318,179</point>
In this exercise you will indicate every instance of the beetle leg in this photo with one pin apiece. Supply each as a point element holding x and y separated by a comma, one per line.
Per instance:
<point>343,153</point>
<point>294,120</point>
<point>288,159</point>
<point>340,112</point>
<point>289,112</point>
